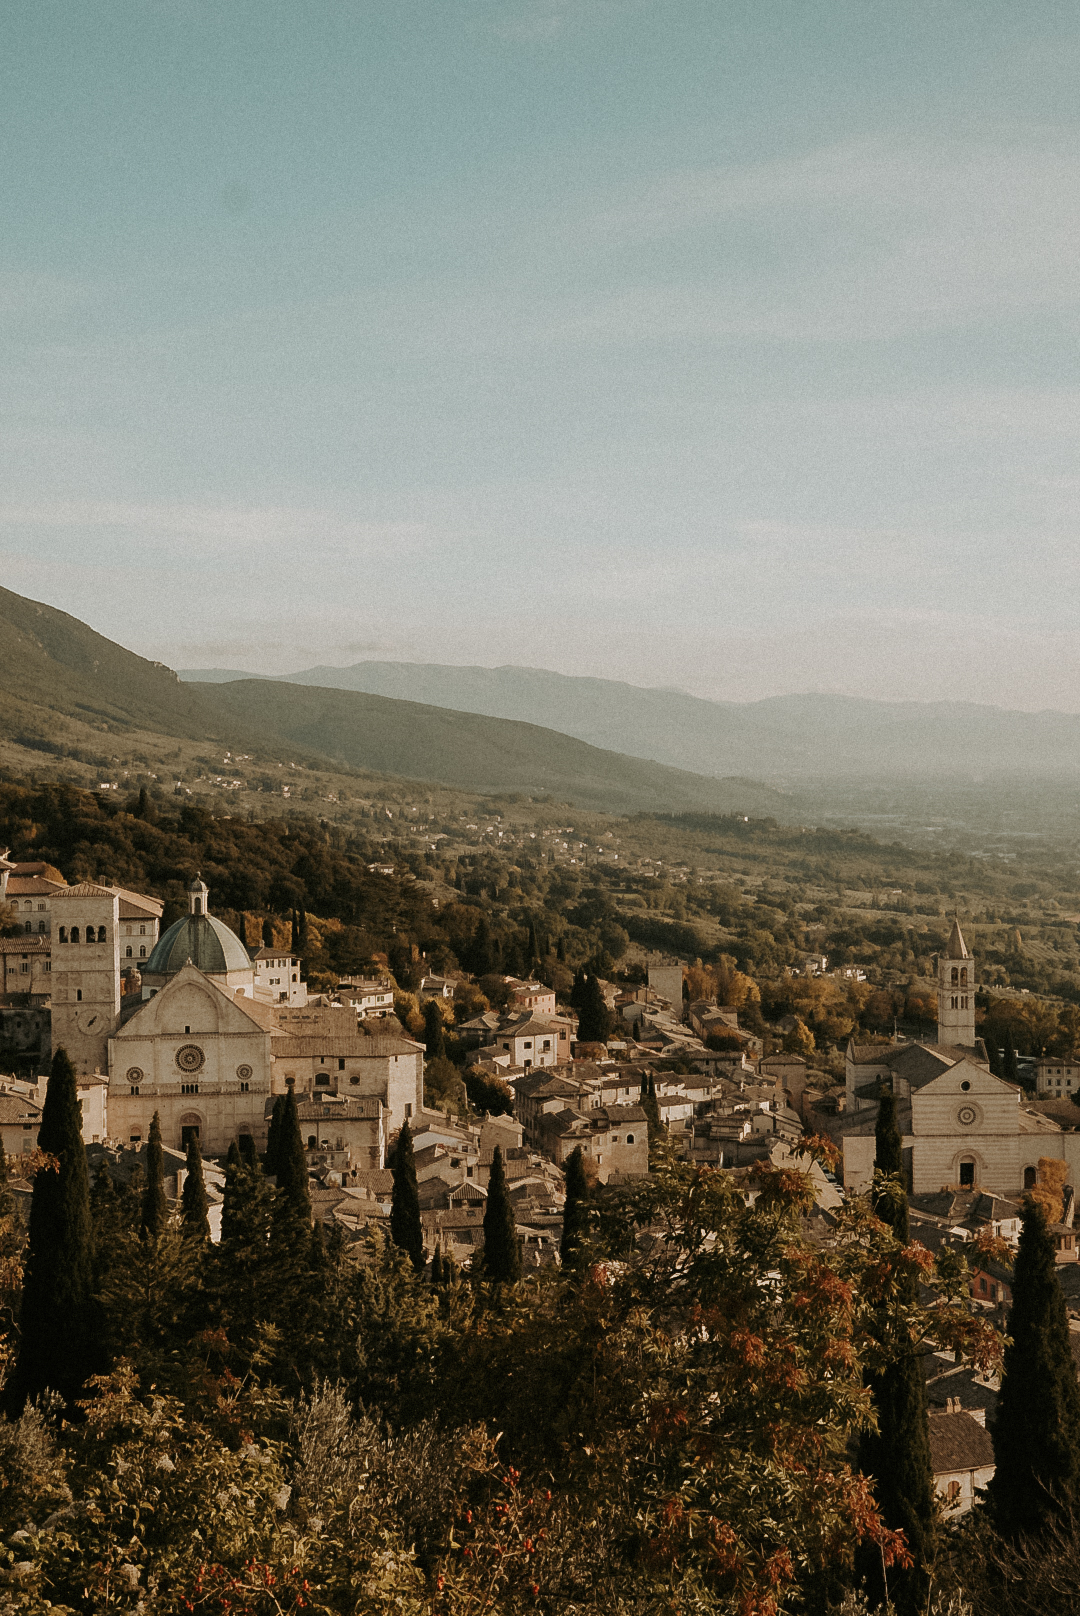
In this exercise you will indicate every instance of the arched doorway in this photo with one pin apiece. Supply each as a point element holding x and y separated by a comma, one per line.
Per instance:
<point>191,1125</point>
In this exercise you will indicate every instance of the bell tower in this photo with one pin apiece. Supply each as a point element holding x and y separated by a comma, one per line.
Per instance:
<point>956,992</point>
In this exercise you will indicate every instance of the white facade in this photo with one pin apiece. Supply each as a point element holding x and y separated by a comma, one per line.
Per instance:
<point>200,1058</point>
<point>278,979</point>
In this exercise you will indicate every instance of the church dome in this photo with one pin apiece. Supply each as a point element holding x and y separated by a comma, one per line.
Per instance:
<point>201,938</point>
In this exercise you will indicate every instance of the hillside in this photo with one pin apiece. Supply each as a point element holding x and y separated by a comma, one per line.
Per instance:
<point>782,738</point>
<point>66,690</point>
<point>475,753</point>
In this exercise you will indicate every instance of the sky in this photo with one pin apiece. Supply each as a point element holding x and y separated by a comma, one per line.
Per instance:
<point>728,346</point>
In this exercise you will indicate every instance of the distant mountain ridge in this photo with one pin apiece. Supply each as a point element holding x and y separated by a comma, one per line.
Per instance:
<point>62,686</point>
<point>780,739</point>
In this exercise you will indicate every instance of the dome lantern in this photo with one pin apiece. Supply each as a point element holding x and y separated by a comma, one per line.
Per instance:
<point>198,897</point>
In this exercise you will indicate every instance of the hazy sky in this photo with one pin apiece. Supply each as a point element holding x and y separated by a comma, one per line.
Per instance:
<point>732,346</point>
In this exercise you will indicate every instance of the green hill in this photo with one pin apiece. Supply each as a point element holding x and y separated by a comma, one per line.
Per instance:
<point>65,688</point>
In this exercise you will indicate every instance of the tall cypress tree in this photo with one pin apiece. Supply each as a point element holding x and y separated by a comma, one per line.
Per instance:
<point>293,1194</point>
<point>194,1206</point>
<point>273,1136</point>
<point>889,1154</point>
<point>502,1249</point>
<point>434,1035</point>
<point>55,1346</point>
<point>243,1253</point>
<point>575,1223</point>
<point>155,1208</point>
<point>1037,1426</point>
<point>406,1230</point>
<point>268,932</point>
<point>594,1017</point>
<point>1009,1069</point>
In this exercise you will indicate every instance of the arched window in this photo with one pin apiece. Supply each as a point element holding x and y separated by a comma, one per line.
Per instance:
<point>41,925</point>
<point>74,934</point>
<point>967,1174</point>
<point>955,976</point>
<point>197,909</point>
<point>28,905</point>
<point>63,934</point>
<point>127,952</point>
<point>963,976</point>
<point>1031,1177</point>
<point>629,1139</point>
<point>29,926</point>
<point>142,953</point>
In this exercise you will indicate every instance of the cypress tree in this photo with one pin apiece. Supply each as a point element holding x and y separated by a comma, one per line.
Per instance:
<point>560,951</point>
<point>406,1230</point>
<point>502,1249</point>
<point>245,1228</point>
<point>268,932</point>
<point>155,1208</point>
<point>1037,1426</point>
<point>1008,1061</point>
<point>651,1107</point>
<point>889,1155</point>
<point>194,1206</point>
<point>55,1347</point>
<point>273,1136</point>
<point>293,1193</point>
<point>434,1036</point>
<point>575,1223</point>
<point>436,1265</point>
<point>594,1017</point>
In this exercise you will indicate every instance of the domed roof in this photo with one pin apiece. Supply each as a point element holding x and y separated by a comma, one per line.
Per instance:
<point>202,939</point>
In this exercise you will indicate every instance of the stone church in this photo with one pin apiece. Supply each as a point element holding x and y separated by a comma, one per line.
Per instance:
<point>961,1125</point>
<point>203,1041</point>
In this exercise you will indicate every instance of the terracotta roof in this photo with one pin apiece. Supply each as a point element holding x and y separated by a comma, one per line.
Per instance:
<point>87,889</point>
<point>31,886</point>
<point>25,945</point>
<point>958,1442</point>
<point>14,1109</point>
<point>362,1109</point>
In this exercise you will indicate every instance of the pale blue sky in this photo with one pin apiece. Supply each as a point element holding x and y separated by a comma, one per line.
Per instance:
<point>732,346</point>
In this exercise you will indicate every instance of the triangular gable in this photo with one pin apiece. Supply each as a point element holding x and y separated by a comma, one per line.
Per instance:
<point>233,1015</point>
<point>981,1082</point>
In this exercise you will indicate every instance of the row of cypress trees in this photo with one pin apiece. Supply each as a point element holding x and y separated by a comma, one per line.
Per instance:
<point>76,1255</point>
<point>502,1248</point>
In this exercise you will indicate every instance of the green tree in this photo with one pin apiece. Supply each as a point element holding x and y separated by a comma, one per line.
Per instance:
<point>436,1265</point>
<point>406,1230</point>
<point>155,1208</point>
<point>273,1136</point>
<point>889,1153</point>
<point>594,1017</point>
<point>293,1196</point>
<point>1037,1426</point>
<point>575,1225</point>
<point>434,1034</point>
<point>242,1255</point>
<point>194,1207</point>
<point>56,1347</point>
<point>502,1248</point>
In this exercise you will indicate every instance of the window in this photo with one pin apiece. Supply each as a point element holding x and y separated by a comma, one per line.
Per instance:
<point>982,1284</point>
<point>127,952</point>
<point>322,1080</point>
<point>408,1110</point>
<point>74,934</point>
<point>78,995</point>
<point>63,934</point>
<point>244,1088</point>
<point>41,907</point>
<point>41,926</point>
<point>953,1492</point>
<point>29,926</point>
<point>963,976</point>
<point>341,1064</point>
<point>142,931</point>
<point>134,1088</point>
<point>547,1043</point>
<point>189,1088</point>
<point>955,978</point>
<point>1031,1177</point>
<point>188,1131</point>
<point>629,1139</point>
<point>142,952</point>
<point>127,931</point>
<point>963,1002</point>
<point>312,1142</point>
<point>355,1080</point>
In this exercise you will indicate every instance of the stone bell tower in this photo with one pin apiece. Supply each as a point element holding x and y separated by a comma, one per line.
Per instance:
<point>956,992</point>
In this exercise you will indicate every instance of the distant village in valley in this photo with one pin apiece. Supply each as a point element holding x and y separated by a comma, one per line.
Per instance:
<point>191,1025</point>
